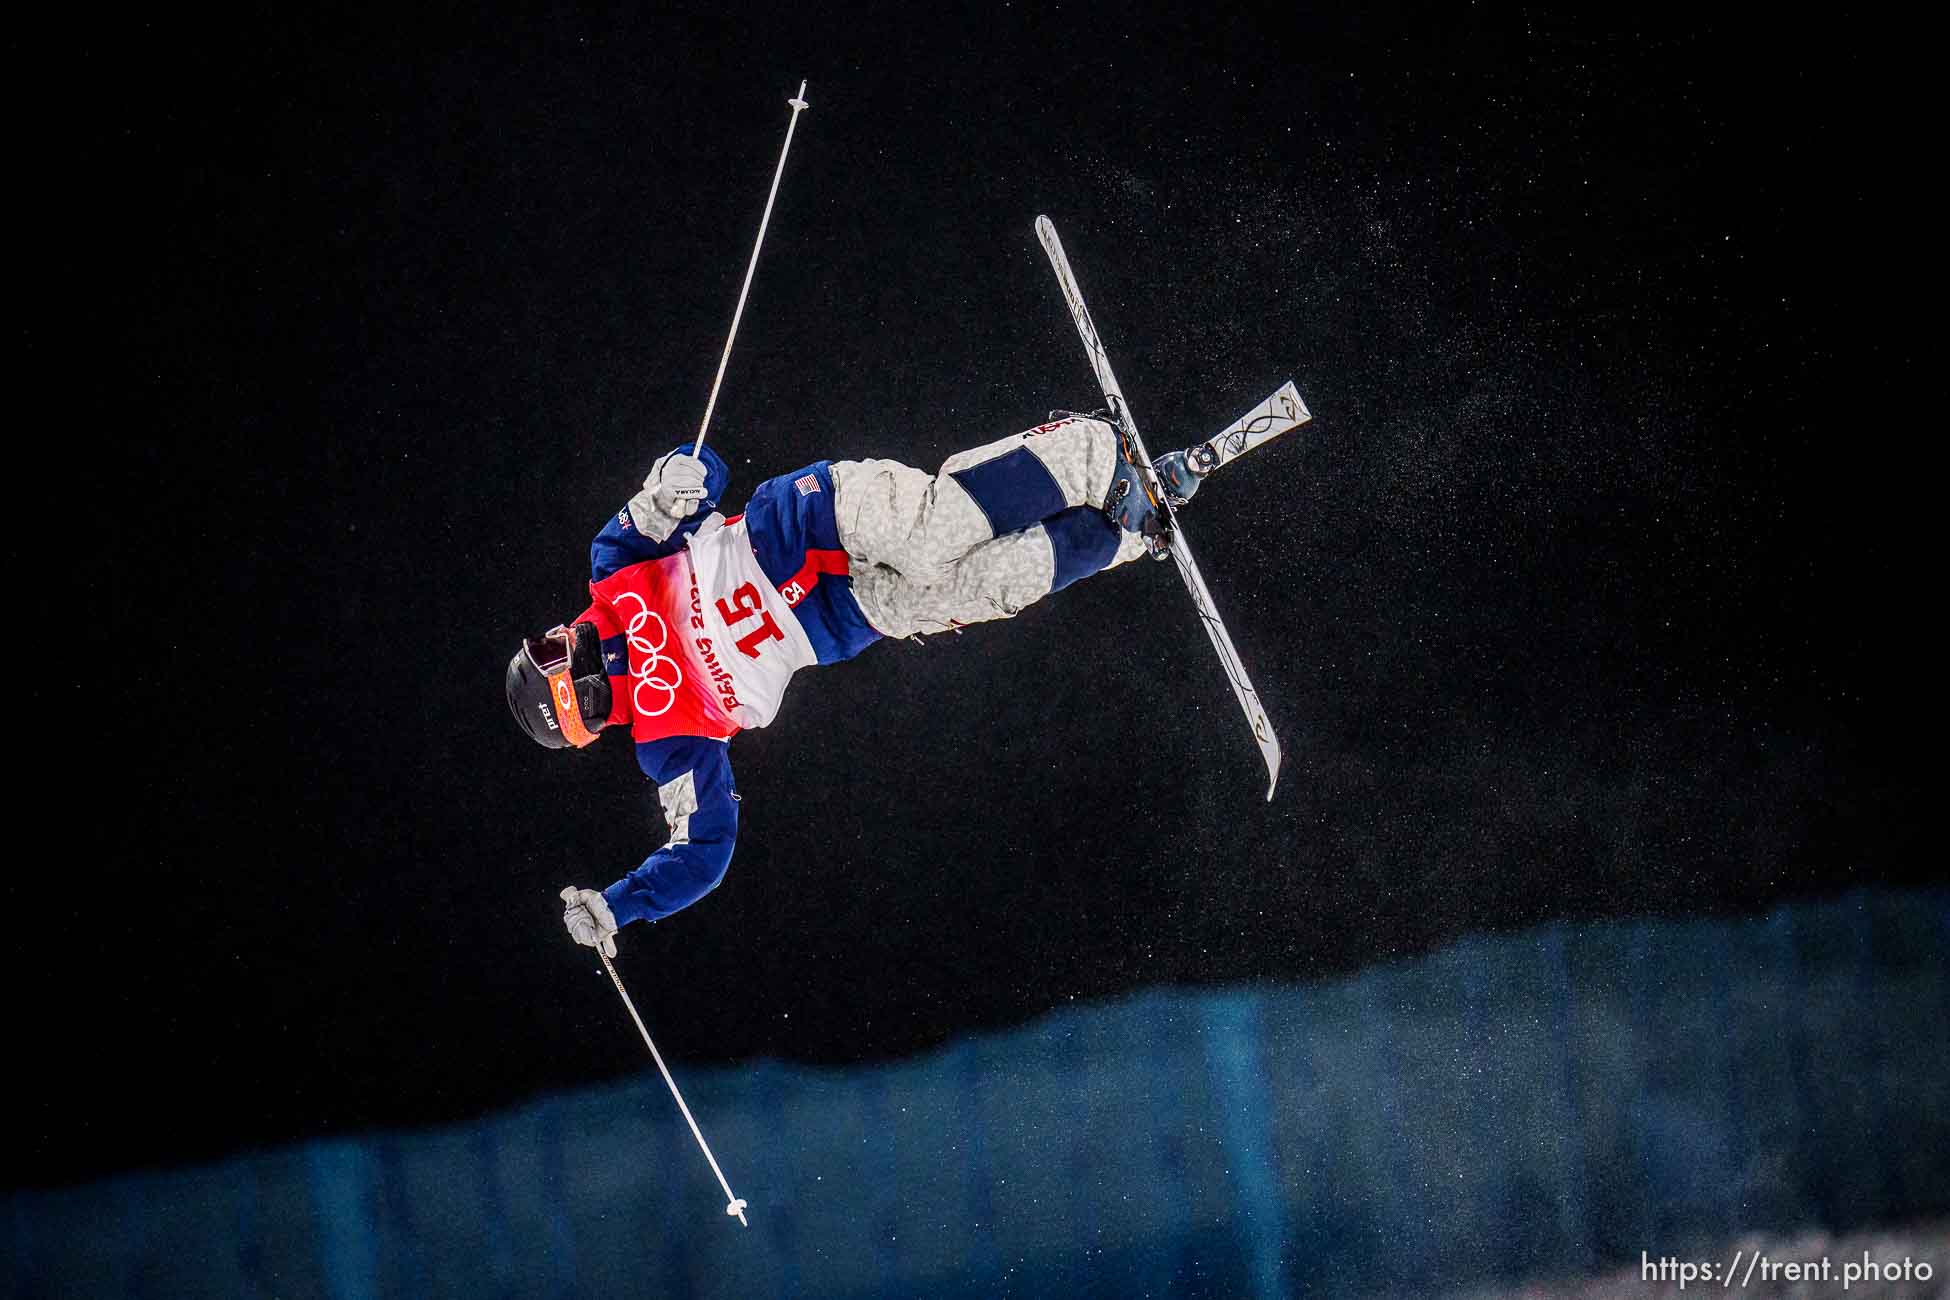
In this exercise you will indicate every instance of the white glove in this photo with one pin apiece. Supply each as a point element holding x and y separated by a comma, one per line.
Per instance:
<point>589,919</point>
<point>670,495</point>
<point>676,484</point>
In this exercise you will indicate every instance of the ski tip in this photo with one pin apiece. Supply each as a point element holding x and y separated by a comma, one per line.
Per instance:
<point>1301,414</point>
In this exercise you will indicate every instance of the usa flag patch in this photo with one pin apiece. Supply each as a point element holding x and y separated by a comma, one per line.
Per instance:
<point>807,484</point>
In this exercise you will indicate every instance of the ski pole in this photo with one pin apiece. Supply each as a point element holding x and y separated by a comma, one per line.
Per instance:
<point>798,103</point>
<point>733,1205</point>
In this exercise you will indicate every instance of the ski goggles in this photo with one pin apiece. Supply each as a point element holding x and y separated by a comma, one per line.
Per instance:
<point>552,653</point>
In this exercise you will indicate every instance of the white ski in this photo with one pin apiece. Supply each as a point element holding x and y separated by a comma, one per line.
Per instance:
<point>1181,548</point>
<point>1278,414</point>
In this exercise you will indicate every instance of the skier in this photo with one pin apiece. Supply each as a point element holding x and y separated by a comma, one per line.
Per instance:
<point>697,622</point>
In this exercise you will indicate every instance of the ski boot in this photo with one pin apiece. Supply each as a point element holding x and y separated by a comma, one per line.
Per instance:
<point>1131,503</point>
<point>1180,472</point>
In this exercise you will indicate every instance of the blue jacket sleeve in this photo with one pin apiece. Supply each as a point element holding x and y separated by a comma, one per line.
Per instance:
<point>700,803</point>
<point>620,545</point>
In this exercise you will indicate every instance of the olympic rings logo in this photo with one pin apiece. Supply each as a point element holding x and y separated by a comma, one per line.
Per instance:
<point>653,655</point>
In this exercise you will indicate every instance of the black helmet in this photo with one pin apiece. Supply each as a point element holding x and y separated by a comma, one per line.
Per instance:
<point>557,688</point>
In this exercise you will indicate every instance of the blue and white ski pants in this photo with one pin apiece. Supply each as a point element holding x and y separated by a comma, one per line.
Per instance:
<point>997,529</point>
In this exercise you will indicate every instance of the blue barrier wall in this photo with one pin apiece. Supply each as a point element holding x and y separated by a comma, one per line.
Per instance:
<point>1547,1103</point>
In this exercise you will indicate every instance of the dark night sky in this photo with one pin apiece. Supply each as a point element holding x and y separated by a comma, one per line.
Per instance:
<point>1592,589</point>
